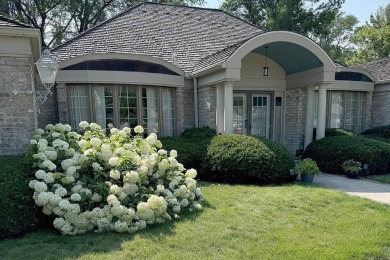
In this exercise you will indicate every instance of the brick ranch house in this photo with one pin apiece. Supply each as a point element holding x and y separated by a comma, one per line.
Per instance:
<point>169,67</point>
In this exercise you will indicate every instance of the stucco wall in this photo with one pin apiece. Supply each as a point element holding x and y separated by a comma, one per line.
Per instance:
<point>17,125</point>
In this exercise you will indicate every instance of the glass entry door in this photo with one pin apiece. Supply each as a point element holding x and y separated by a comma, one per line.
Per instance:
<point>260,115</point>
<point>251,114</point>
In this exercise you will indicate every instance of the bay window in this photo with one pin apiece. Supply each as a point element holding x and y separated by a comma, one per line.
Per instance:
<point>124,105</point>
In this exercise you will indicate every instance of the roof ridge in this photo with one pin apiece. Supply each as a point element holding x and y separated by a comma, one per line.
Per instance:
<point>14,21</point>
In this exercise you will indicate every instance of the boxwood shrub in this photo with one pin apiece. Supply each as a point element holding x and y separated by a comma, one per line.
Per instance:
<point>381,133</point>
<point>283,163</point>
<point>16,206</point>
<point>245,159</point>
<point>191,147</point>
<point>331,152</point>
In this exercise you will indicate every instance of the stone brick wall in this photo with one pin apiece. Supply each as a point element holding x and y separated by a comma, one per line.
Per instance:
<point>380,111</point>
<point>17,125</point>
<point>185,107</point>
<point>295,118</point>
<point>49,109</point>
<point>207,99</point>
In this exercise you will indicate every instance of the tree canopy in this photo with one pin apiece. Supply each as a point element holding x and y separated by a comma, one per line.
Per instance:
<point>373,38</point>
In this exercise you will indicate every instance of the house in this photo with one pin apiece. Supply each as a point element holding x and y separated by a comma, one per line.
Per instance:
<point>169,67</point>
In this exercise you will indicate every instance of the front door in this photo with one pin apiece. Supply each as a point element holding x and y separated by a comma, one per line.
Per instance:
<point>251,114</point>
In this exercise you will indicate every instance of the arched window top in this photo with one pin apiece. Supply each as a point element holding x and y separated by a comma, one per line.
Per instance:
<point>121,65</point>
<point>352,76</point>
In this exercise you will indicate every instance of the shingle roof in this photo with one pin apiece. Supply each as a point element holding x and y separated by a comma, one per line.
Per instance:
<point>380,69</point>
<point>8,22</point>
<point>181,35</point>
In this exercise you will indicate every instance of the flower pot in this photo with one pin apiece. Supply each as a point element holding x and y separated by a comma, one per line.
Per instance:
<point>307,178</point>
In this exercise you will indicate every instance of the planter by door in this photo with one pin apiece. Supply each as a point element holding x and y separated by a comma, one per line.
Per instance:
<point>307,178</point>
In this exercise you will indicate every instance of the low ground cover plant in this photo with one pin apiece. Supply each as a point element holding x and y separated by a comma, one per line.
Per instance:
<point>90,182</point>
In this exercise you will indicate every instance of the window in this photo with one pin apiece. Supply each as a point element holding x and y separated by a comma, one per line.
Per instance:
<point>347,110</point>
<point>124,105</point>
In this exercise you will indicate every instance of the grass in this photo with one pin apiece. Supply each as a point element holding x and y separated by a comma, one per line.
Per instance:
<point>238,222</point>
<point>381,178</point>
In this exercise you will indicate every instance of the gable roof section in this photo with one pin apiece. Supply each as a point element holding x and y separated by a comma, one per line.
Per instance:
<point>180,35</point>
<point>380,69</point>
<point>8,22</point>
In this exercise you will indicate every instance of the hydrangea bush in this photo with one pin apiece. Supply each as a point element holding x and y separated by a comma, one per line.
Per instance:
<point>90,182</point>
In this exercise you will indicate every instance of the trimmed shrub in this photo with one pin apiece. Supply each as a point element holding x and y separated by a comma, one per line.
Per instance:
<point>381,133</point>
<point>199,133</point>
<point>338,131</point>
<point>239,159</point>
<point>16,214</point>
<point>283,163</point>
<point>331,152</point>
<point>191,147</point>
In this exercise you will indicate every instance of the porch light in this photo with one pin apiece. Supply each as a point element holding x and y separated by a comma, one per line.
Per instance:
<point>266,68</point>
<point>47,68</point>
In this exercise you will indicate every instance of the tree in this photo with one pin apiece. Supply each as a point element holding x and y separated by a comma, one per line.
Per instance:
<point>373,38</point>
<point>337,43</point>
<point>307,17</point>
<point>60,20</point>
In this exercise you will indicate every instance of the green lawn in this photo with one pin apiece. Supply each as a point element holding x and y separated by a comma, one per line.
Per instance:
<point>381,178</point>
<point>238,222</point>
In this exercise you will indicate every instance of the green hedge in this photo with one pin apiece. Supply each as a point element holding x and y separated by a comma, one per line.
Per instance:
<point>191,147</point>
<point>381,133</point>
<point>246,159</point>
<point>338,131</point>
<point>331,152</point>
<point>16,204</point>
<point>283,163</point>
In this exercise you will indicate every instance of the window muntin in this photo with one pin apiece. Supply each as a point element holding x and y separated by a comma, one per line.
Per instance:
<point>347,110</point>
<point>124,105</point>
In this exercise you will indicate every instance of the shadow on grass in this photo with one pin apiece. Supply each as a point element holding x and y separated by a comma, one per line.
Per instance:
<point>51,245</point>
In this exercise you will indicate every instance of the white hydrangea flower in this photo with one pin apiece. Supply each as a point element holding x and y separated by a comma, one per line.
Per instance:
<point>39,131</point>
<point>64,204</point>
<point>83,124</point>
<point>75,197</point>
<point>49,164</point>
<point>50,155</point>
<point>50,127</point>
<point>121,227</point>
<point>142,207</point>
<point>162,152</point>
<point>139,129</point>
<point>96,197</point>
<point>33,141</point>
<point>118,210</point>
<point>112,200</point>
<point>96,142</point>
<point>68,128</point>
<point>156,202</point>
<point>130,188</point>
<point>48,178</point>
<point>172,161</point>
<point>72,135</point>
<point>71,170</point>
<point>40,186</point>
<point>42,199</point>
<point>184,203</point>
<point>83,143</point>
<point>114,131</point>
<point>115,174</point>
<point>151,139</point>
<point>54,199</point>
<point>95,126</point>
<point>114,161</point>
<point>96,166</point>
<point>40,174</point>
<point>61,191</point>
<point>58,223</point>
<point>127,130</point>
<point>191,173</point>
<point>32,183</point>
<point>131,177</point>
<point>173,153</point>
<point>55,135</point>
<point>59,128</point>
<point>160,188</point>
<point>115,189</point>
<point>105,148</point>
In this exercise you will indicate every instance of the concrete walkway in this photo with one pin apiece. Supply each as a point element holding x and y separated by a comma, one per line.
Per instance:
<point>361,187</point>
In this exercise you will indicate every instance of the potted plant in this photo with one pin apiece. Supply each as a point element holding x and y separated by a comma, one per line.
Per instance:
<point>352,168</point>
<point>307,168</point>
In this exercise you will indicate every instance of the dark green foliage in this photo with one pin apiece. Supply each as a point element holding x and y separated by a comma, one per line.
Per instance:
<point>16,205</point>
<point>199,133</point>
<point>283,163</point>
<point>241,159</point>
<point>331,152</point>
<point>191,147</point>
<point>338,131</point>
<point>380,133</point>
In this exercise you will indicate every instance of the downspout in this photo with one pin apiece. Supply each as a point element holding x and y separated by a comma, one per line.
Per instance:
<point>196,102</point>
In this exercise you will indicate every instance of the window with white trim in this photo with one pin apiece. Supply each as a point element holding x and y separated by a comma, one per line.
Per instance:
<point>124,105</point>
